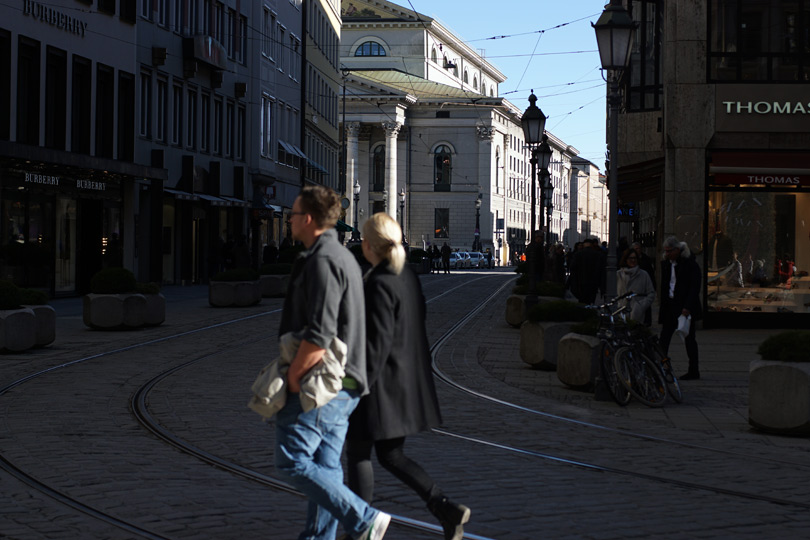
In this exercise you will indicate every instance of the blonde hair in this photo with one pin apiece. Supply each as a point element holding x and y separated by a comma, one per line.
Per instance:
<point>385,239</point>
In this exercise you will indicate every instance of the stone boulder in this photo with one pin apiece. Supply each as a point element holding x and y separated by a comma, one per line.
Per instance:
<point>18,329</point>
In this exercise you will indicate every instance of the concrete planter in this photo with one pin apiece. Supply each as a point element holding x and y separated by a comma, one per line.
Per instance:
<point>45,331</point>
<point>18,329</point>
<point>123,311</point>
<point>274,286</point>
<point>779,397</point>
<point>516,310</point>
<point>234,293</point>
<point>578,360</point>
<point>539,342</point>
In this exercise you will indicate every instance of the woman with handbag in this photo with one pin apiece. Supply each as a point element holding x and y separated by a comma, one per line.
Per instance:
<point>402,399</point>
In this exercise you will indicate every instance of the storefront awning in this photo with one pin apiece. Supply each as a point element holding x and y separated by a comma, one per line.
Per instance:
<point>317,166</point>
<point>236,202</point>
<point>181,195</point>
<point>215,201</point>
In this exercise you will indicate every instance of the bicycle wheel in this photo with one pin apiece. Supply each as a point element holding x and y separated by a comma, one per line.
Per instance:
<point>663,362</point>
<point>618,392</point>
<point>640,376</point>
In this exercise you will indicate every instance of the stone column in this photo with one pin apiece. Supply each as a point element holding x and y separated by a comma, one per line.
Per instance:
<point>352,158</point>
<point>391,132</point>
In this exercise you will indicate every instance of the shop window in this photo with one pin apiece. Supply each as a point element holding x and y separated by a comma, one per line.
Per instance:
<point>28,91</point>
<point>55,98</point>
<point>441,221</point>
<point>216,145</point>
<point>126,116</point>
<point>229,129</point>
<point>191,119</point>
<point>107,6</point>
<point>757,255</point>
<point>177,115</point>
<point>5,85</point>
<point>240,132</point>
<point>105,111</point>
<point>442,168</point>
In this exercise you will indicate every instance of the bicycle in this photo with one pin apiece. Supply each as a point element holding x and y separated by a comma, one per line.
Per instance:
<point>652,349</point>
<point>613,337</point>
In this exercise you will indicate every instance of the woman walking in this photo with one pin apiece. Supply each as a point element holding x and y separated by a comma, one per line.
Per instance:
<point>631,278</point>
<point>402,399</point>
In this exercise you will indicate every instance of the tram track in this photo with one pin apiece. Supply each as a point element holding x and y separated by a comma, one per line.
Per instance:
<point>140,408</point>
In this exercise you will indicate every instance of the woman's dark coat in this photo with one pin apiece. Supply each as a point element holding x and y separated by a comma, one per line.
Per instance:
<point>402,399</point>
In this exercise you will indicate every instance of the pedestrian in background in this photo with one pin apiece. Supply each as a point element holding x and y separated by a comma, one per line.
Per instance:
<point>402,399</point>
<point>631,278</point>
<point>646,263</point>
<point>324,301</point>
<point>587,271</point>
<point>680,289</point>
<point>446,258</point>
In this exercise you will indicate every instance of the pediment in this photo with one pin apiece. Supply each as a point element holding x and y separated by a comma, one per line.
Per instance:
<point>360,10</point>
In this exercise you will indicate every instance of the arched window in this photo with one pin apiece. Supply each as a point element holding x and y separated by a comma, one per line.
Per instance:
<point>442,168</point>
<point>433,56</point>
<point>484,89</point>
<point>492,92</point>
<point>475,83</point>
<point>466,77</point>
<point>370,48</point>
<point>378,169</point>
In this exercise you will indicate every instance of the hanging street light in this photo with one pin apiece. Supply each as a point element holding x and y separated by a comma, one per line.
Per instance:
<point>614,37</point>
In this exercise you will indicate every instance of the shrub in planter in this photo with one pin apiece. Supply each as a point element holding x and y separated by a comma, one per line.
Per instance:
<point>235,287</point>
<point>274,279</point>
<point>113,280</point>
<point>17,323</point>
<point>790,346</point>
<point>33,297</point>
<point>558,311</point>
<point>117,300</point>
<point>779,385</point>
<point>10,297</point>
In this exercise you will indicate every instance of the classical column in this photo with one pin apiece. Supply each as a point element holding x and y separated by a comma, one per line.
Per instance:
<point>352,158</point>
<point>391,132</point>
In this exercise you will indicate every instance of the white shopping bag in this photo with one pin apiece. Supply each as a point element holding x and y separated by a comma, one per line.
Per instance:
<point>683,326</point>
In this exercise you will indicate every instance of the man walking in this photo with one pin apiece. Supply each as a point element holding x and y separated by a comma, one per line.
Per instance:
<point>680,287</point>
<point>324,301</point>
<point>587,272</point>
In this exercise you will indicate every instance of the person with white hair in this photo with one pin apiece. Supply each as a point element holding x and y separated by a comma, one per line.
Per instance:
<point>680,295</point>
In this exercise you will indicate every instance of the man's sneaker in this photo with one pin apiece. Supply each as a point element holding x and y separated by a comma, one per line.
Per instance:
<point>378,527</point>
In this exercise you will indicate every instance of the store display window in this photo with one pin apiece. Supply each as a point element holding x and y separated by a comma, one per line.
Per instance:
<point>757,254</point>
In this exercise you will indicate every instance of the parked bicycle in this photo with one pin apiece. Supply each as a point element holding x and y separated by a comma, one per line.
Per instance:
<point>632,363</point>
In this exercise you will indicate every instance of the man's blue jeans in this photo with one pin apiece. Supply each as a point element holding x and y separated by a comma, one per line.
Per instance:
<point>308,447</point>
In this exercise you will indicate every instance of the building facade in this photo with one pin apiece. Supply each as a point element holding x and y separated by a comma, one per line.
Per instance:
<point>714,149</point>
<point>74,198</point>
<point>430,141</point>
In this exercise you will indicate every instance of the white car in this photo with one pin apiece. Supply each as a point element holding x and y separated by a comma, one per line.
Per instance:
<point>464,261</point>
<point>456,261</point>
<point>477,260</point>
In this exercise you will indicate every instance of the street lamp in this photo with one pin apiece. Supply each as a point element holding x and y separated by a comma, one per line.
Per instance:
<point>533,122</point>
<point>477,237</point>
<point>614,37</point>
<point>356,231</point>
<point>402,213</point>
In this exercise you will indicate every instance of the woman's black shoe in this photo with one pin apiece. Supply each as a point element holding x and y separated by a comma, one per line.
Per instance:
<point>452,516</point>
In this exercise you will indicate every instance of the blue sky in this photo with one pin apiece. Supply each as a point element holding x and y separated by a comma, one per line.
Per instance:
<point>560,64</point>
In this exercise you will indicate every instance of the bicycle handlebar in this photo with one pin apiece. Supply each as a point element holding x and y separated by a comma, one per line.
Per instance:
<point>613,302</point>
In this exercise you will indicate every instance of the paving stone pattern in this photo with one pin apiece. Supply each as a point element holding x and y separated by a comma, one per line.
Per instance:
<point>577,467</point>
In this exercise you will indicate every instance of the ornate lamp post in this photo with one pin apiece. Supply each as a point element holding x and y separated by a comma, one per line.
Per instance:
<point>533,123</point>
<point>614,37</point>
<point>356,230</point>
